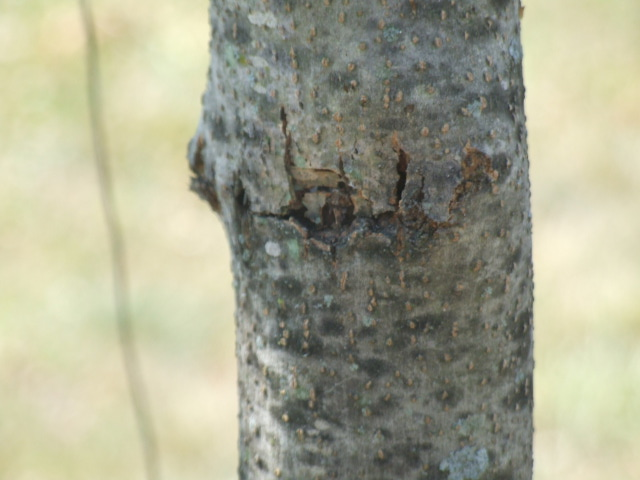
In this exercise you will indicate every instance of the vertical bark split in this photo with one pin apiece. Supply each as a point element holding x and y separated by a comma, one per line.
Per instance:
<point>368,159</point>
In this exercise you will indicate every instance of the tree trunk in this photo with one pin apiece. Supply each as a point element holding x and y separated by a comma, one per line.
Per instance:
<point>368,159</point>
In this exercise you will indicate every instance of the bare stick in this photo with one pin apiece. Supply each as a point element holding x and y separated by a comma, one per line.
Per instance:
<point>126,335</point>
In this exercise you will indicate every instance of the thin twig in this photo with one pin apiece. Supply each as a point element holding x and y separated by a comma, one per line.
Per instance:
<point>126,335</point>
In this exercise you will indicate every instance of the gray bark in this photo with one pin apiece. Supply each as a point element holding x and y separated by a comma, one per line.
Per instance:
<point>368,159</point>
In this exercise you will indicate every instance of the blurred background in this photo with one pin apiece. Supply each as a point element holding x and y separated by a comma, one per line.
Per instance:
<point>64,407</point>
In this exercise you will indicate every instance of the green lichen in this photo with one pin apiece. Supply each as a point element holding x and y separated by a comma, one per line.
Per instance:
<point>475,108</point>
<point>353,174</point>
<point>471,425</point>
<point>231,55</point>
<point>294,249</point>
<point>391,34</point>
<point>365,401</point>
<point>423,95</point>
<point>301,393</point>
<point>367,321</point>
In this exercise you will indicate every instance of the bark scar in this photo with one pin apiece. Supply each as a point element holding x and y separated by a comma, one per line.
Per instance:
<point>401,168</point>
<point>320,197</point>
<point>476,167</point>
<point>431,206</point>
<point>206,190</point>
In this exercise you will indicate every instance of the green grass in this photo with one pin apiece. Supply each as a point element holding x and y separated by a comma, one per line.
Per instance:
<point>65,408</point>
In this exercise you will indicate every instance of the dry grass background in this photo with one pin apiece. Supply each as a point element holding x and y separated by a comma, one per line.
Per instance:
<point>64,409</point>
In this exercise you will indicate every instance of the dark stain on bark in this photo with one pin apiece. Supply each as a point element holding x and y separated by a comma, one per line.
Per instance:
<point>237,31</point>
<point>437,474</point>
<point>311,458</point>
<point>240,198</point>
<point>283,120</point>
<point>341,81</point>
<point>504,475</point>
<point>261,464</point>
<point>293,414</point>
<point>366,332</point>
<point>374,367</point>
<point>430,323</point>
<point>498,100</point>
<point>393,123</point>
<point>430,11</point>
<point>238,129</point>
<point>449,397</point>
<point>513,259</point>
<point>449,88</point>
<point>522,396</point>
<point>479,29</point>
<point>410,452</point>
<point>289,286</point>
<point>331,327</point>
<point>521,330</point>
<point>501,164</point>
<point>500,4</point>
<point>218,129</point>
<point>397,341</point>
<point>296,341</point>
<point>382,459</point>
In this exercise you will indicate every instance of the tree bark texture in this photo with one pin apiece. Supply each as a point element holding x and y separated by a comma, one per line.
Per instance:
<point>368,159</point>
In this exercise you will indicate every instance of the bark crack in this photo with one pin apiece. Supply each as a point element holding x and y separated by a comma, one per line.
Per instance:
<point>322,207</point>
<point>401,168</point>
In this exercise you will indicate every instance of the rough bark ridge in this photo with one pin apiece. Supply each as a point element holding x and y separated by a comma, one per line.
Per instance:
<point>368,159</point>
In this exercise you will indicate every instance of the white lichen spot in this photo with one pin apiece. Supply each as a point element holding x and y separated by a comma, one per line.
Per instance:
<point>466,464</point>
<point>328,300</point>
<point>259,88</point>
<point>258,62</point>
<point>272,248</point>
<point>263,19</point>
